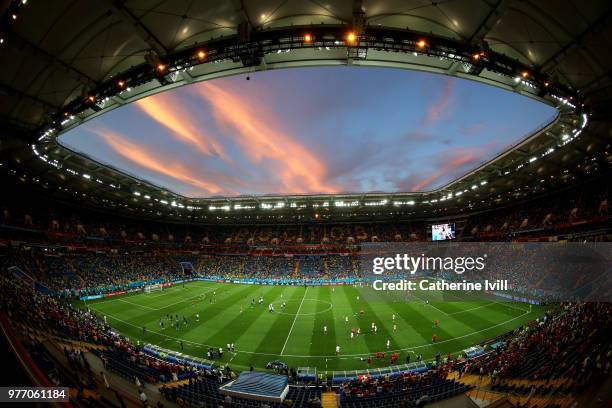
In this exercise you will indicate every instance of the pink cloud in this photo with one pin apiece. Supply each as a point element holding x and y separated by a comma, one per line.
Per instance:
<point>449,164</point>
<point>158,163</point>
<point>474,129</point>
<point>440,108</point>
<point>171,113</point>
<point>261,138</point>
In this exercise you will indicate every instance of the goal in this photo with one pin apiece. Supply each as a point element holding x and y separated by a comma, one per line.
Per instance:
<point>152,288</point>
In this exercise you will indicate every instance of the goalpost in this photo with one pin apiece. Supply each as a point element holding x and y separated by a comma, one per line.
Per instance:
<point>153,288</point>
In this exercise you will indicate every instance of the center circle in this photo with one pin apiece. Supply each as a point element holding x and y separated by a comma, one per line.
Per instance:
<point>277,307</point>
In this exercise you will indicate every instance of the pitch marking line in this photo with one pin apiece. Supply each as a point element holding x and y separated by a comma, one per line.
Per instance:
<point>294,320</point>
<point>130,295</point>
<point>158,308</point>
<point>165,292</point>
<point>331,306</point>
<point>429,304</point>
<point>159,333</point>
<point>503,302</point>
<point>408,349</point>
<point>136,304</point>
<point>469,310</point>
<point>189,298</point>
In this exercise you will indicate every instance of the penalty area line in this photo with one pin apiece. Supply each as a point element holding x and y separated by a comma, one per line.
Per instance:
<point>429,304</point>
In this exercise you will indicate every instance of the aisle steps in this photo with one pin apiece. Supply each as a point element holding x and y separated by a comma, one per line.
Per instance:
<point>329,399</point>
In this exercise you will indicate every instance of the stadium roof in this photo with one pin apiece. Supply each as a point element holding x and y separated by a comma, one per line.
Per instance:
<point>65,62</point>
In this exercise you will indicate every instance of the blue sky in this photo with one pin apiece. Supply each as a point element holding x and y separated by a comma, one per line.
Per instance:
<point>310,130</point>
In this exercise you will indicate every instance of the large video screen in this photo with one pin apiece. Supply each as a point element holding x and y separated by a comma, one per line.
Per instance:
<point>442,232</point>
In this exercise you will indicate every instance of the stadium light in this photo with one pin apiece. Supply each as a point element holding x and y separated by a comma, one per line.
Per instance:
<point>201,55</point>
<point>161,67</point>
<point>525,74</point>
<point>476,56</point>
<point>421,44</point>
<point>120,83</point>
<point>307,38</point>
<point>351,37</point>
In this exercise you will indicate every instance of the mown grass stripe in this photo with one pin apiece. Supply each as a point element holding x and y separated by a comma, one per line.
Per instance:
<point>323,317</point>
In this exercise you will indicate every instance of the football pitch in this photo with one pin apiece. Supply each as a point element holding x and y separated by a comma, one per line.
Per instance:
<point>295,334</point>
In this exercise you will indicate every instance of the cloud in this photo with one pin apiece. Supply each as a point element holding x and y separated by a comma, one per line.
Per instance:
<point>440,108</point>
<point>319,135</point>
<point>452,162</point>
<point>473,129</point>
<point>261,138</point>
<point>417,136</point>
<point>168,111</point>
<point>158,163</point>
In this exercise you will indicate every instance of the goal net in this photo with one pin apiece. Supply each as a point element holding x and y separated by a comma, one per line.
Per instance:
<point>153,288</point>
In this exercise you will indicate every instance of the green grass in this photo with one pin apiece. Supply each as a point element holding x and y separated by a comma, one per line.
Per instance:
<point>297,338</point>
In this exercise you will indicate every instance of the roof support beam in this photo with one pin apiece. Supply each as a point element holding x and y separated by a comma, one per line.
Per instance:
<point>477,37</point>
<point>597,81</point>
<point>498,10</point>
<point>7,89</point>
<point>598,24</point>
<point>240,6</point>
<point>15,38</point>
<point>139,28</point>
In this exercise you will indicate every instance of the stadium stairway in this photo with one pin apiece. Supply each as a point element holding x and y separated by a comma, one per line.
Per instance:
<point>517,391</point>
<point>74,270</point>
<point>296,272</point>
<point>329,399</point>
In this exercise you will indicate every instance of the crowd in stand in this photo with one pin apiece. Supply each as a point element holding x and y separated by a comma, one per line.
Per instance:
<point>88,273</point>
<point>527,269</point>
<point>92,273</point>
<point>582,207</point>
<point>25,305</point>
<point>367,387</point>
<point>105,254</point>
<point>571,342</point>
<point>406,389</point>
<point>568,342</point>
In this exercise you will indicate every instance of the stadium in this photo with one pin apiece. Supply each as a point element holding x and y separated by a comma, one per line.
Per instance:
<point>303,203</point>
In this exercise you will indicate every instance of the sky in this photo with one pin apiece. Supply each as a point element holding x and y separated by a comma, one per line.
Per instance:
<point>310,130</point>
